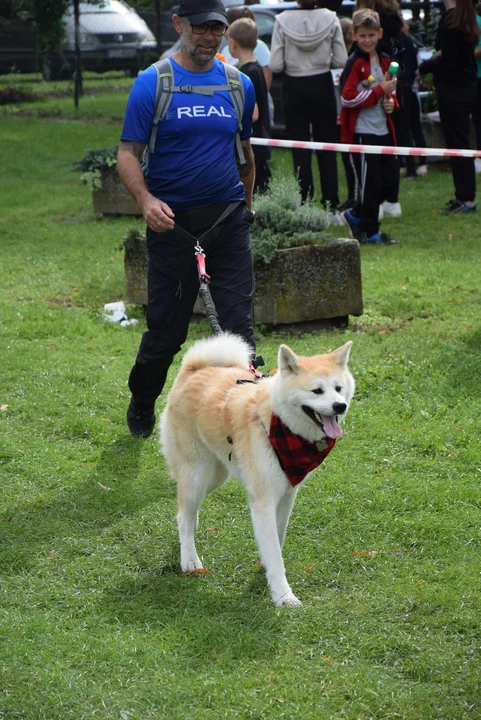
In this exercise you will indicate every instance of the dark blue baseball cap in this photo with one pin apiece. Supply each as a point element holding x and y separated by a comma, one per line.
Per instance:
<point>201,11</point>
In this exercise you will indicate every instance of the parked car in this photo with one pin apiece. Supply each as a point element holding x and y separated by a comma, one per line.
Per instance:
<point>112,37</point>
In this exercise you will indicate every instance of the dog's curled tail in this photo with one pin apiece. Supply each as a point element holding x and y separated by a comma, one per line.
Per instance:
<point>224,350</point>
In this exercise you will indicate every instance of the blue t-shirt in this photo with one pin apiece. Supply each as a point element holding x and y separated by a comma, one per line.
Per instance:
<point>194,164</point>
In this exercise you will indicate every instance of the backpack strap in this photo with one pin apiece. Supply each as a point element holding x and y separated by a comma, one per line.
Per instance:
<point>199,89</point>
<point>237,92</point>
<point>163,96</point>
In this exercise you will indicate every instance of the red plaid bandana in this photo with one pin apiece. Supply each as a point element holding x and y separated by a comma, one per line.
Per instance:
<point>297,457</point>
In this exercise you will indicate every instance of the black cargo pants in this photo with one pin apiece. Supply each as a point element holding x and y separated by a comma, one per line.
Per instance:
<point>173,286</point>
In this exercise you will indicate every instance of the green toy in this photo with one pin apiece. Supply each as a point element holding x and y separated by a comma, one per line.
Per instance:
<point>393,70</point>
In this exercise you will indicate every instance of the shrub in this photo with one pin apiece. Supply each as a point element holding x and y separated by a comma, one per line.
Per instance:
<point>14,96</point>
<point>283,221</point>
<point>93,163</point>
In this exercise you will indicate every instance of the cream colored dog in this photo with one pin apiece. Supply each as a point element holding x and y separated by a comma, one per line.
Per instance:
<point>270,434</point>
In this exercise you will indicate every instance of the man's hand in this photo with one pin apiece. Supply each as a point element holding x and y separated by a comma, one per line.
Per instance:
<point>388,86</point>
<point>388,104</point>
<point>157,214</point>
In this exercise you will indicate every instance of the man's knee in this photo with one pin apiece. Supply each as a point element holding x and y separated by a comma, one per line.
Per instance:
<point>157,348</point>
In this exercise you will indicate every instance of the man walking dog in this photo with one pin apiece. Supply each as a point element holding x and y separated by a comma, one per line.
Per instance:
<point>196,182</point>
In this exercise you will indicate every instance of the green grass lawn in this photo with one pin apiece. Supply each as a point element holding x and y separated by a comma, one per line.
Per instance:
<point>96,620</point>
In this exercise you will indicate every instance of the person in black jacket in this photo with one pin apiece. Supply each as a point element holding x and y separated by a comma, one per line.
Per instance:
<point>412,103</point>
<point>454,71</point>
<point>306,43</point>
<point>402,119</point>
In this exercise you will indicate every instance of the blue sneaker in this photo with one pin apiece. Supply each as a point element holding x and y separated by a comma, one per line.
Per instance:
<point>352,223</point>
<point>380,238</point>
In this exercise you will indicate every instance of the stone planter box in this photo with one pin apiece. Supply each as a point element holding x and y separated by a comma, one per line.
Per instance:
<point>135,265</point>
<point>113,198</point>
<point>304,284</point>
<point>314,282</point>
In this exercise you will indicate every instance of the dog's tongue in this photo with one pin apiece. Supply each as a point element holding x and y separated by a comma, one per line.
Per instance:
<point>331,428</point>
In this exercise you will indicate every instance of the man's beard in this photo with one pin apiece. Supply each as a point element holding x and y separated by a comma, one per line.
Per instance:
<point>199,58</point>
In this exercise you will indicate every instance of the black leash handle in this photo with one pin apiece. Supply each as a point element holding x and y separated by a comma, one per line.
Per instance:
<point>204,291</point>
<point>209,307</point>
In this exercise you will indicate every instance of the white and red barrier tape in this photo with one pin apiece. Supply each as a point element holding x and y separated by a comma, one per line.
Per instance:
<point>367,149</point>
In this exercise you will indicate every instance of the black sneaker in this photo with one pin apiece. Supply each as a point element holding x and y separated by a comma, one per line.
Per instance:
<point>140,417</point>
<point>456,207</point>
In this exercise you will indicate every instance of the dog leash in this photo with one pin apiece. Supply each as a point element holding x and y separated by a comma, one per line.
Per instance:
<point>204,280</point>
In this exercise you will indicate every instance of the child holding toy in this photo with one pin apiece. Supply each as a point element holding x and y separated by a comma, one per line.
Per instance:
<point>368,100</point>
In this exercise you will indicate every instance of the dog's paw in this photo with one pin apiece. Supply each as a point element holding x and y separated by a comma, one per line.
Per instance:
<point>190,566</point>
<point>287,599</point>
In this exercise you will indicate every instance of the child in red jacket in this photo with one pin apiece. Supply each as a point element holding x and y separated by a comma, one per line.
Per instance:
<point>368,100</point>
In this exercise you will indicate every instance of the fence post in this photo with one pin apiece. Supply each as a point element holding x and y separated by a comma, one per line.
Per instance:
<point>78,68</point>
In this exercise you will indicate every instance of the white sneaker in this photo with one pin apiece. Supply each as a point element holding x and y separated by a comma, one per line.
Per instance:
<point>422,170</point>
<point>477,165</point>
<point>392,209</point>
<point>335,218</point>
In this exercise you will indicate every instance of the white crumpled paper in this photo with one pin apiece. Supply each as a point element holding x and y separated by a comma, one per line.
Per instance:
<point>115,312</point>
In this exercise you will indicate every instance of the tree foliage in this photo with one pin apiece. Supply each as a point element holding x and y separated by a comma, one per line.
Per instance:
<point>48,18</point>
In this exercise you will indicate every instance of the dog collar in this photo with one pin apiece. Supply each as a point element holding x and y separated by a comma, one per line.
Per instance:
<point>297,457</point>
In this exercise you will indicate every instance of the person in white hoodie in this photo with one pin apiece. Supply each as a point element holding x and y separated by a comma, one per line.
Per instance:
<point>306,43</point>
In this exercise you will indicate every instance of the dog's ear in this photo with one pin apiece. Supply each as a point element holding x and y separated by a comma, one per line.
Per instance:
<point>287,360</point>
<point>341,355</point>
